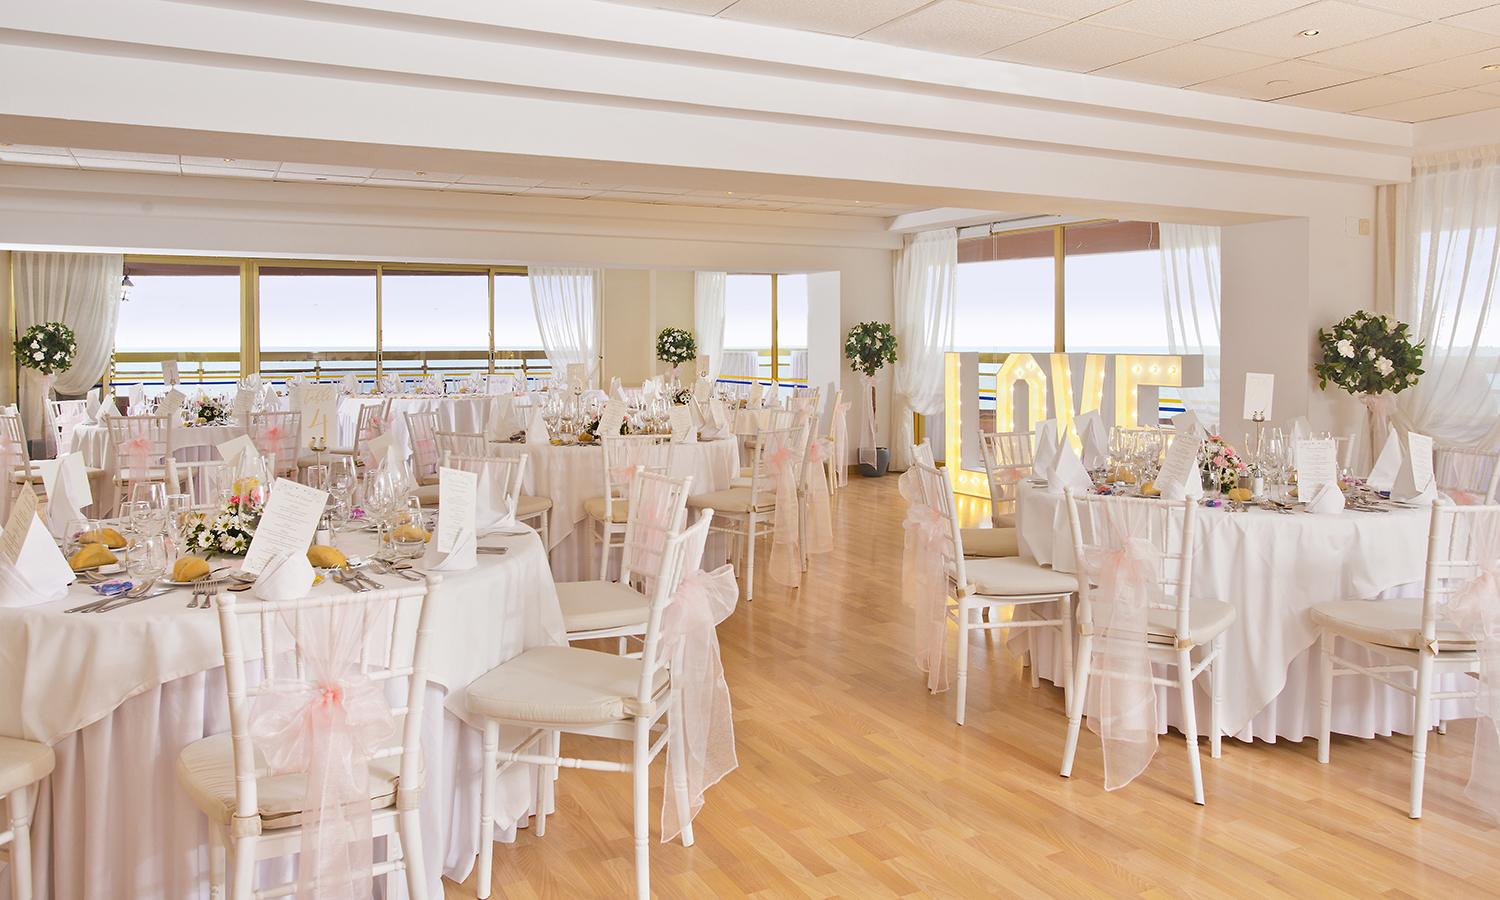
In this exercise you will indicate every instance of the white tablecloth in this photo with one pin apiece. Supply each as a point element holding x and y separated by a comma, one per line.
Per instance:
<point>571,474</point>
<point>1273,568</point>
<point>456,412</point>
<point>118,695</point>
<point>188,445</point>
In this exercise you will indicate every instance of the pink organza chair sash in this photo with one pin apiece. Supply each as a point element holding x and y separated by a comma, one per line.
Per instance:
<point>780,462</point>
<point>924,583</point>
<point>138,452</point>
<point>651,523</point>
<point>1128,579</point>
<point>272,440</point>
<point>1475,606</point>
<point>819,517</point>
<point>329,726</point>
<point>841,442</point>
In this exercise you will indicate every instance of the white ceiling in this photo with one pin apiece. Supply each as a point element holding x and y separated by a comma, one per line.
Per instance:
<point>1402,60</point>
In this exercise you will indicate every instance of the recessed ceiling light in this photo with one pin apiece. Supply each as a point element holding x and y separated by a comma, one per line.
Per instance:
<point>1277,82</point>
<point>421,173</point>
<point>229,159</point>
<point>1484,68</point>
<point>4,145</point>
<point>320,178</point>
<point>1308,33</point>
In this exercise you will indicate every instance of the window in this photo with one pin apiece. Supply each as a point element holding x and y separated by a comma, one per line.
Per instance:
<point>317,321</point>
<point>183,311</point>
<point>1005,293</point>
<point>752,303</point>
<point>1112,282</point>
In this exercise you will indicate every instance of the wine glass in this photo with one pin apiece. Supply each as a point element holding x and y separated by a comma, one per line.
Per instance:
<point>76,532</point>
<point>407,534</point>
<point>147,558</point>
<point>148,507</point>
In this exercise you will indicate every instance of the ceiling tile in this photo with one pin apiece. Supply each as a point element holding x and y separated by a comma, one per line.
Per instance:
<point>588,187</point>
<point>868,211</point>
<point>1461,72</point>
<point>8,155</point>
<point>483,188</point>
<point>127,156</point>
<point>843,17</point>
<point>310,169</point>
<point>226,171</point>
<point>499,181</point>
<point>1406,48</point>
<point>702,7</point>
<point>320,177</point>
<point>577,194</point>
<point>817,208</point>
<point>1427,9</point>
<point>1438,106</point>
<point>402,175</point>
<point>754,203</point>
<point>1485,19</point>
<point>1077,47</point>
<point>635,196</point>
<point>217,162</point>
<point>1190,21</point>
<point>1071,9</point>
<point>35,150</point>
<point>129,165</point>
<point>1336,22</point>
<point>1186,64</point>
<point>405,183</point>
<point>1378,91</point>
<point>1273,82</point>
<point>964,29</point>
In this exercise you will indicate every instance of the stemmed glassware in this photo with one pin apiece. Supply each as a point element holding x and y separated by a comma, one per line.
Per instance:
<point>148,508</point>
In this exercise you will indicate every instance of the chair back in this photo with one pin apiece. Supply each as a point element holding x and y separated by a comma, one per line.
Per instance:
<point>1007,460</point>
<point>66,414</point>
<point>680,554</point>
<point>421,430</point>
<point>509,471</point>
<point>14,460</point>
<point>658,509</point>
<point>1102,523</point>
<point>623,455</point>
<point>1469,476</point>
<point>838,400</point>
<point>208,483</point>
<point>372,422</point>
<point>768,442</point>
<point>932,487</point>
<point>800,401</point>
<point>393,630</point>
<point>280,434</point>
<point>459,443</point>
<point>156,430</point>
<point>1463,543</point>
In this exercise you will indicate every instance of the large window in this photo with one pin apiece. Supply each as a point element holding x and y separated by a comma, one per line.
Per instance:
<point>765,328</point>
<point>190,313</point>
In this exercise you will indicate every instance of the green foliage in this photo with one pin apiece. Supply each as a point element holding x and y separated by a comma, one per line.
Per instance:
<point>48,347</point>
<point>675,346</point>
<point>1367,354</point>
<point>869,346</point>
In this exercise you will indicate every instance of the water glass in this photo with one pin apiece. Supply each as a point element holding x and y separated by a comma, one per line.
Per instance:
<point>147,558</point>
<point>74,533</point>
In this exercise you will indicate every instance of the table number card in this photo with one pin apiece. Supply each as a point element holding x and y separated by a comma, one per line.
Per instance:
<point>456,492</point>
<point>682,424</point>
<point>1317,465</point>
<point>702,367</point>
<point>1419,447</point>
<point>169,372</point>
<point>612,417</point>
<point>287,523</point>
<point>1259,391</point>
<point>576,375</point>
<point>320,414</point>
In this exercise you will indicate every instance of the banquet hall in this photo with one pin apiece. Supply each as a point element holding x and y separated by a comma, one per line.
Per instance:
<point>392,271</point>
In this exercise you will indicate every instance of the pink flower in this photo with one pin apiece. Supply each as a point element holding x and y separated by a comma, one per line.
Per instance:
<point>1220,462</point>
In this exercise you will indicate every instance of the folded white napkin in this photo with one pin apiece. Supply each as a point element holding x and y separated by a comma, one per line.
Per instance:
<point>272,400</point>
<point>91,407</point>
<point>63,501</point>
<point>1090,428</point>
<point>462,556</point>
<point>348,385</point>
<point>1327,499</point>
<point>1046,448</point>
<point>536,432</point>
<point>285,577</point>
<point>1068,472</point>
<point>502,421</point>
<point>493,510</point>
<point>107,408</point>
<point>41,573</point>
<point>1388,465</point>
<point>137,399</point>
<point>1189,489</point>
<point>1301,430</point>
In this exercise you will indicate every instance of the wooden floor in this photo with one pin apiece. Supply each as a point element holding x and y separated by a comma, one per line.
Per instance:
<point>854,782</point>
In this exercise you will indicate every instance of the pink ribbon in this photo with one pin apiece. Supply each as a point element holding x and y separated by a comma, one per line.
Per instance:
<point>820,525</point>
<point>841,442</point>
<point>924,588</point>
<point>1475,607</point>
<point>786,561</point>
<point>327,726</point>
<point>867,428</point>
<point>706,728</point>
<point>426,452</point>
<point>1126,720</point>
<point>271,438</point>
<point>138,452</point>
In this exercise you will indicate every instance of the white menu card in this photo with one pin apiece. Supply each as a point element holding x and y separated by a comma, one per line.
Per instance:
<point>1181,461</point>
<point>1317,465</point>
<point>612,417</point>
<point>320,414</point>
<point>287,523</point>
<point>1259,391</point>
<point>1420,448</point>
<point>18,525</point>
<point>456,492</point>
<point>682,424</point>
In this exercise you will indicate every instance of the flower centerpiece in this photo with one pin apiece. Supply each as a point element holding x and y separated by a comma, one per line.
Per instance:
<point>49,348</point>
<point>675,346</point>
<point>228,531</point>
<point>680,396</point>
<point>1221,463</point>
<point>208,411</point>
<point>591,427</point>
<point>868,347</point>
<point>1370,357</point>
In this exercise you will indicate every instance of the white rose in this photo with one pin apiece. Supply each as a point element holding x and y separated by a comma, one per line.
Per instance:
<point>35,344</point>
<point>1384,366</point>
<point>1346,348</point>
<point>1370,353</point>
<point>38,356</point>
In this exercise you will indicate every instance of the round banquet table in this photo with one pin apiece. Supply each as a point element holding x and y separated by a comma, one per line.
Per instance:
<point>570,474</point>
<point>189,444</point>
<point>456,412</point>
<point>119,694</point>
<point>1273,568</point>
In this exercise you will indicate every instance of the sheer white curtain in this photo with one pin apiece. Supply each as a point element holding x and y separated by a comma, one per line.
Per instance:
<point>1190,295</point>
<point>80,290</point>
<point>1447,248</point>
<point>568,310</point>
<point>708,318</point>
<point>926,284</point>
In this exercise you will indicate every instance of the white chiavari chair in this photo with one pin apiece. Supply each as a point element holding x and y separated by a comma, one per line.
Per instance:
<point>1467,476</point>
<point>1007,460</point>
<point>66,414</point>
<point>534,511</point>
<point>421,431</point>
<point>1175,622</point>
<point>978,542</point>
<point>1423,636</point>
<point>15,462</point>
<point>278,434</point>
<point>143,447</point>
<point>22,765</point>
<point>459,443</point>
<point>838,436</point>
<point>253,815</point>
<point>747,513</point>
<point>551,690</point>
<point>607,515</point>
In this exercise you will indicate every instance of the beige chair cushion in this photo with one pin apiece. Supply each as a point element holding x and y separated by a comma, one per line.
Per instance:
<point>1207,619</point>
<point>592,605</point>
<point>205,770</point>
<point>1005,520</point>
<point>734,500</point>
<point>434,478</point>
<point>1393,623</point>
<point>1017,575</point>
<point>426,494</point>
<point>526,507</point>
<point>562,686</point>
<point>619,510</point>
<point>311,459</point>
<point>990,542</point>
<point>23,763</point>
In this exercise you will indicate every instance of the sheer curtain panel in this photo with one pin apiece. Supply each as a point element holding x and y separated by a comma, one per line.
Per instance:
<point>1446,252</point>
<point>80,290</point>
<point>926,285</point>
<point>568,312</point>
<point>1190,295</point>
<point>708,318</point>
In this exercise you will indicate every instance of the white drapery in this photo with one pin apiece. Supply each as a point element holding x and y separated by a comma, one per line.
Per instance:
<point>926,286</point>
<point>1447,258</point>
<point>80,290</point>
<point>1190,296</point>
<point>568,310</point>
<point>708,318</point>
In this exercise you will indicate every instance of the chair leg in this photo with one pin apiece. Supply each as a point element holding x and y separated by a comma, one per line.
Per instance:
<point>1215,710</point>
<point>606,532</point>
<point>1067,651</point>
<point>216,861</point>
<point>1036,678</point>
<point>1190,720</point>
<point>679,770</point>
<point>640,776</point>
<point>19,805</point>
<point>964,612</point>
<point>244,867</point>
<point>1419,728</point>
<point>545,780</point>
<point>487,808</point>
<point>1325,695</point>
<point>593,536</point>
<point>1075,710</point>
<point>409,827</point>
<point>750,559</point>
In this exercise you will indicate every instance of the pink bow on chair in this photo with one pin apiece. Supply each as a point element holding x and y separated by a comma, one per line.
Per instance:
<point>1475,607</point>
<point>1127,699</point>
<point>138,452</point>
<point>786,560</point>
<point>272,437</point>
<point>328,726</point>
<point>706,730</point>
<point>924,588</point>
<point>841,441</point>
<point>820,520</point>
